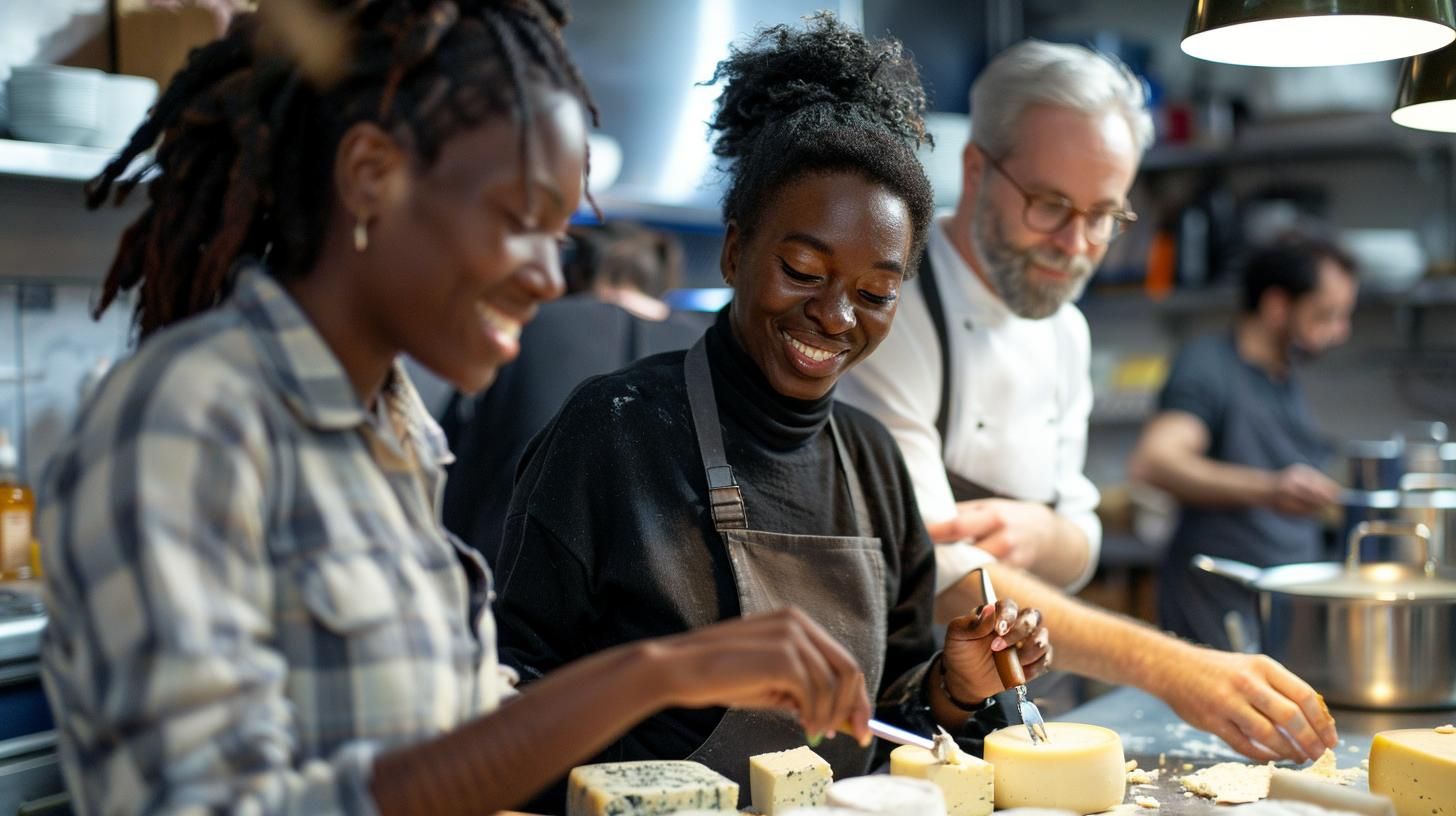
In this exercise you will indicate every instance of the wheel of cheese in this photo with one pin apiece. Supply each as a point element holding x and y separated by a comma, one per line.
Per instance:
<point>887,796</point>
<point>1416,768</point>
<point>1079,768</point>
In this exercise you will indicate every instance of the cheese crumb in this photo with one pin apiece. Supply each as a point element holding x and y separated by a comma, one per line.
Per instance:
<point>1132,764</point>
<point>1448,728</point>
<point>1188,766</point>
<point>1147,802</point>
<point>1326,769</point>
<point>1141,777</point>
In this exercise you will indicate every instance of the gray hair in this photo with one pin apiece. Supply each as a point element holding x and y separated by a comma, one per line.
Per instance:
<point>1034,72</point>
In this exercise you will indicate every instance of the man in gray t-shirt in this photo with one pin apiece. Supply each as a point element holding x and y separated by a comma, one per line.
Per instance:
<point>1234,442</point>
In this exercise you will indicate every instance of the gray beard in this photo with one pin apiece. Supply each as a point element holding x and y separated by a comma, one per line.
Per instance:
<point>1009,269</point>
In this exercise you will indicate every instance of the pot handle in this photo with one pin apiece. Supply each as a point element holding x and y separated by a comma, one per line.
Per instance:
<point>1424,482</point>
<point>1398,529</point>
<point>1245,575</point>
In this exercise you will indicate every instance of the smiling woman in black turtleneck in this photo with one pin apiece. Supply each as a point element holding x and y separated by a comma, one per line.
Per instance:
<point>687,489</point>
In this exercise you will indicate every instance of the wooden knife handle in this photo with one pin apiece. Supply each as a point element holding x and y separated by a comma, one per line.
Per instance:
<point>1008,666</point>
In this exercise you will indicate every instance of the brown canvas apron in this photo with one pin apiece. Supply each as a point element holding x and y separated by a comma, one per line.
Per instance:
<point>839,581</point>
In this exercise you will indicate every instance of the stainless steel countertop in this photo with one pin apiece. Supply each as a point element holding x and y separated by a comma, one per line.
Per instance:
<point>1151,731</point>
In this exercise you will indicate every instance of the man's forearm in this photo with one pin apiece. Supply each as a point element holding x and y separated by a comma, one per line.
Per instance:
<point>1203,482</point>
<point>1087,640</point>
<point>1066,559</point>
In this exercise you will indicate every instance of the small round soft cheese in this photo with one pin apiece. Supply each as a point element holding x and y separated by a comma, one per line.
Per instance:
<point>1085,761</point>
<point>887,796</point>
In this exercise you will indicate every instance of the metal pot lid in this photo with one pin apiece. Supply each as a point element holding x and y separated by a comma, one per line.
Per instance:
<point>1394,499</point>
<point>1375,582</point>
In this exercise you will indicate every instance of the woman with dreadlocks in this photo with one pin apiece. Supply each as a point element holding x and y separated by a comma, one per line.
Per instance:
<point>690,488</point>
<point>254,606</point>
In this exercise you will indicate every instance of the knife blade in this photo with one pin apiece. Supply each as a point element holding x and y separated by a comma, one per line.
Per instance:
<point>943,746</point>
<point>1013,678</point>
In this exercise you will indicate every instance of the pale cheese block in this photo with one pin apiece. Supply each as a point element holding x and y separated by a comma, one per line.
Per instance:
<point>1080,768</point>
<point>968,785</point>
<point>888,796</point>
<point>788,779</point>
<point>1416,768</point>
<point>649,788</point>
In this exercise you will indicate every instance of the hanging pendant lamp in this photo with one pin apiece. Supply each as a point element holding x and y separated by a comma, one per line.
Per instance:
<point>1427,97</point>
<point>1286,33</point>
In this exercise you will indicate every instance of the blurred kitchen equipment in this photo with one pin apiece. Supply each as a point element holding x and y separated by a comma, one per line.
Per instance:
<point>125,101</point>
<point>29,767</point>
<point>1374,464</point>
<point>54,103</point>
<point>1389,259</point>
<point>1363,634</point>
<point>1285,33</point>
<point>1427,449</point>
<point>1315,91</point>
<point>1430,498</point>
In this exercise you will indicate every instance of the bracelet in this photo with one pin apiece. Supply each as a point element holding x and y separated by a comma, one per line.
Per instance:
<point>969,708</point>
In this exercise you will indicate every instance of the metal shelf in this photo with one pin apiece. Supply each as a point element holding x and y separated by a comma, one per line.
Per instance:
<point>1304,139</point>
<point>51,161</point>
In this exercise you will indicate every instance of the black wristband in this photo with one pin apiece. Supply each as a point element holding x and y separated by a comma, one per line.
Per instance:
<point>969,708</point>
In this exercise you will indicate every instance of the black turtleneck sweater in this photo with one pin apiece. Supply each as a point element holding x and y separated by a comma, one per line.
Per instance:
<point>609,537</point>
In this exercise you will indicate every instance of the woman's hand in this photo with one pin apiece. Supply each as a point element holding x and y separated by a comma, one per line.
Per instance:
<point>780,660</point>
<point>971,640</point>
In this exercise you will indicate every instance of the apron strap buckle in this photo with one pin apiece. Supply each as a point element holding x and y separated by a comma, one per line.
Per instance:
<point>729,512</point>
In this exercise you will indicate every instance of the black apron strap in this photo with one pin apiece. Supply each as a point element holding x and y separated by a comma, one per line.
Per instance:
<point>851,477</point>
<point>725,498</point>
<point>931,289</point>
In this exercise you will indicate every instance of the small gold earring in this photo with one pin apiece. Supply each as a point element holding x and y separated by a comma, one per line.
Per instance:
<point>361,235</point>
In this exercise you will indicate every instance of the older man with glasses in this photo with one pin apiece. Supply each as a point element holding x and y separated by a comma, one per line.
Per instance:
<point>985,384</point>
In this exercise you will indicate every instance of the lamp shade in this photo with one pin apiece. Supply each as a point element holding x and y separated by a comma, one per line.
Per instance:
<point>1427,97</point>
<point>1287,33</point>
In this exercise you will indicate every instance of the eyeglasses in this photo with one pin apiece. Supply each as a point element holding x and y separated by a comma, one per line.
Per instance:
<point>1050,213</point>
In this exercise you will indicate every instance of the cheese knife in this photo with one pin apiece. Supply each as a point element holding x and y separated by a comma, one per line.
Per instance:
<point>1008,667</point>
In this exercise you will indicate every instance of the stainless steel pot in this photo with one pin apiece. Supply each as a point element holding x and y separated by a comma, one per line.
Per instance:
<point>1423,498</point>
<point>1369,635</point>
<point>1430,499</point>
<point>1374,464</point>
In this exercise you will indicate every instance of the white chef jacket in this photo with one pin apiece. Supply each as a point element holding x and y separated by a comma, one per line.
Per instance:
<point>1019,404</point>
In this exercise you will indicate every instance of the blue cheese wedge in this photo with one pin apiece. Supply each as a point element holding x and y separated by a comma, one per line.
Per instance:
<point>788,779</point>
<point>651,788</point>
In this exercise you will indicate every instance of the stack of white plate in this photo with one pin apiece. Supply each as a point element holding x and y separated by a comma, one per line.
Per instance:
<point>125,101</point>
<point>52,103</point>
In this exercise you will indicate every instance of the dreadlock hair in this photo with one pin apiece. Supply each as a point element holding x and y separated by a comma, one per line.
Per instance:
<point>821,99</point>
<point>248,137</point>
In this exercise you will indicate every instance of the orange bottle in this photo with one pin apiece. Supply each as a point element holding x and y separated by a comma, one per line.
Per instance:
<point>17,515</point>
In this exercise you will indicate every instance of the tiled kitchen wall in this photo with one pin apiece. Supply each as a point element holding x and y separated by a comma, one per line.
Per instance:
<point>50,349</point>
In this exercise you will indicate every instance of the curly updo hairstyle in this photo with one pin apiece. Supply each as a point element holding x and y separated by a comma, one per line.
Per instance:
<point>248,135</point>
<point>820,99</point>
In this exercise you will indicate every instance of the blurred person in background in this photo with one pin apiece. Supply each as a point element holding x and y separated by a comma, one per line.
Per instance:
<point>1234,442</point>
<point>615,274</point>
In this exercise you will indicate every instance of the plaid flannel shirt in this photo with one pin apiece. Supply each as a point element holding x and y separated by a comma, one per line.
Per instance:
<point>250,590</point>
